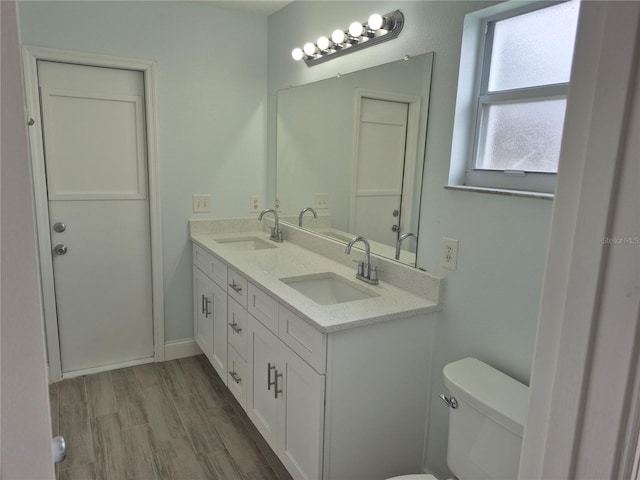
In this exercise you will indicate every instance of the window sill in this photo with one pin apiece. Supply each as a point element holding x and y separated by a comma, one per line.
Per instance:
<point>501,191</point>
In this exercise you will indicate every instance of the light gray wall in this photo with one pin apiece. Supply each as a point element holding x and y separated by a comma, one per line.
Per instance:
<point>491,301</point>
<point>25,426</point>
<point>211,70</point>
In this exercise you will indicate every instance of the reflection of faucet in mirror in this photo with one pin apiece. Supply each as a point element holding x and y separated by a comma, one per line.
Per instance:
<point>400,240</point>
<point>304,210</point>
<point>276,233</point>
<point>366,272</point>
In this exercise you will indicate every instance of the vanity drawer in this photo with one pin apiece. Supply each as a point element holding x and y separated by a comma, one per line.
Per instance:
<point>237,287</point>
<point>303,339</point>
<point>237,377</point>
<point>215,269</point>
<point>264,308</point>
<point>237,319</point>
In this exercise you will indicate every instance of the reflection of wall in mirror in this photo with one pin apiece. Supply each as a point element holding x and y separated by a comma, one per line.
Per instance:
<point>315,131</point>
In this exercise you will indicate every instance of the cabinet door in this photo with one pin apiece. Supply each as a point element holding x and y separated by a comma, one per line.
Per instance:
<point>202,317</point>
<point>262,404</point>
<point>219,347</point>
<point>301,418</point>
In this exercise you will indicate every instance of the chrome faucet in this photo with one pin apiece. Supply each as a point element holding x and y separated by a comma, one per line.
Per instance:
<point>276,233</point>
<point>366,272</point>
<point>400,240</point>
<point>304,210</point>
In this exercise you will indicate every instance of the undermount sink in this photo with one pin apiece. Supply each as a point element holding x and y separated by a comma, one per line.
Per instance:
<point>246,243</point>
<point>328,288</point>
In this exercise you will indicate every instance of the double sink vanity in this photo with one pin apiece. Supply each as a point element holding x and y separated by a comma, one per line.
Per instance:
<point>332,371</point>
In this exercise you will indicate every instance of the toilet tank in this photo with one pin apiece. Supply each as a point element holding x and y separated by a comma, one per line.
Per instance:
<point>485,430</point>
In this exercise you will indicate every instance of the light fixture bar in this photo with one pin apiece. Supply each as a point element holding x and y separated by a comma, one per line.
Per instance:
<point>390,25</point>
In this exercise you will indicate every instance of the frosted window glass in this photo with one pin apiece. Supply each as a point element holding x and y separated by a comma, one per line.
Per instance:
<point>522,136</point>
<point>534,48</point>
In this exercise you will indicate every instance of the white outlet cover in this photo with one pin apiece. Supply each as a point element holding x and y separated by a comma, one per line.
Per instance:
<point>255,205</point>
<point>449,257</point>
<point>322,200</point>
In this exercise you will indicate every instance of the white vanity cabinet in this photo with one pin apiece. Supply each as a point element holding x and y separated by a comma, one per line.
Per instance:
<point>347,404</point>
<point>202,316</point>
<point>210,308</point>
<point>285,401</point>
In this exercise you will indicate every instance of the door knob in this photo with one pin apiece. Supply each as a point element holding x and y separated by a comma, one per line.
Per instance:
<point>395,228</point>
<point>59,449</point>
<point>60,249</point>
<point>59,227</point>
<point>396,212</point>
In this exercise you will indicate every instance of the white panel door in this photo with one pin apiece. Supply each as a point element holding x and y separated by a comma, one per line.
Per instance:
<point>95,155</point>
<point>382,133</point>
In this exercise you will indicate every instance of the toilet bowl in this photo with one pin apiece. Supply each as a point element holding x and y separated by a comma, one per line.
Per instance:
<point>487,412</point>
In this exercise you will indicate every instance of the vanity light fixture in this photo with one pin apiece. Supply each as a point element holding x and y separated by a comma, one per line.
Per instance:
<point>378,29</point>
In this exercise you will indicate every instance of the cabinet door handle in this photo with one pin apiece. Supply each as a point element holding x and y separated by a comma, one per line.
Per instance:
<point>202,303</point>
<point>235,377</point>
<point>275,390</point>
<point>208,312</point>
<point>236,287</point>
<point>269,382</point>
<point>234,326</point>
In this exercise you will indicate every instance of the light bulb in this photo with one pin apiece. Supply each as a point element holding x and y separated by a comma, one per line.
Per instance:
<point>324,43</point>
<point>297,54</point>
<point>375,21</point>
<point>356,29</point>
<point>310,48</point>
<point>338,37</point>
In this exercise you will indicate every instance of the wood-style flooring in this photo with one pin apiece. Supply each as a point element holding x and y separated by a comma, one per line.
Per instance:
<point>172,420</point>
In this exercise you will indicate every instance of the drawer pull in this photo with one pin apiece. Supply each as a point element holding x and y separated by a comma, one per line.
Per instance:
<point>234,326</point>
<point>207,312</point>
<point>202,303</point>
<point>235,377</point>
<point>236,287</point>
<point>269,382</point>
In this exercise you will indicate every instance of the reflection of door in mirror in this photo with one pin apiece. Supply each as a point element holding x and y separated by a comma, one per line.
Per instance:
<point>379,165</point>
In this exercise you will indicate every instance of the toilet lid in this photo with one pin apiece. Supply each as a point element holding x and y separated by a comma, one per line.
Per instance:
<point>423,476</point>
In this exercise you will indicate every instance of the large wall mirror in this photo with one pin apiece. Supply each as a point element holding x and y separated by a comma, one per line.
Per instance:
<point>352,148</point>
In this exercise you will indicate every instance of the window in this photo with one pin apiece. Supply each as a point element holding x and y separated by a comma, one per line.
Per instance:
<point>520,86</point>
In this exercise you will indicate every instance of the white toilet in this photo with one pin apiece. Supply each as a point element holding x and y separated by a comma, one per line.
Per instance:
<point>487,414</point>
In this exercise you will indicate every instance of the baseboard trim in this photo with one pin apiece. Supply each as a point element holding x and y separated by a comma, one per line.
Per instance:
<point>180,349</point>
<point>172,351</point>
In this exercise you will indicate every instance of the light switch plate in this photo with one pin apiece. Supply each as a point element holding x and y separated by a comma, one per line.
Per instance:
<point>201,203</point>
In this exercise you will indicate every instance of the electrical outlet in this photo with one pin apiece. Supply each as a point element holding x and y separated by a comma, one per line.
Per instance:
<point>277,206</point>
<point>201,203</point>
<point>449,253</point>
<point>322,200</point>
<point>255,205</point>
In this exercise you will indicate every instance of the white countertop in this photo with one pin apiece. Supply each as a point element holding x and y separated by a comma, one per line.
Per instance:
<point>264,268</point>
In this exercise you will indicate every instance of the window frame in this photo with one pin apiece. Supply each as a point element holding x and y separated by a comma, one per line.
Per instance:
<point>482,46</point>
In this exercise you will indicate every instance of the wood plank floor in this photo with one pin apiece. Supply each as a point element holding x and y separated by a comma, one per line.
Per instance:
<point>172,420</point>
